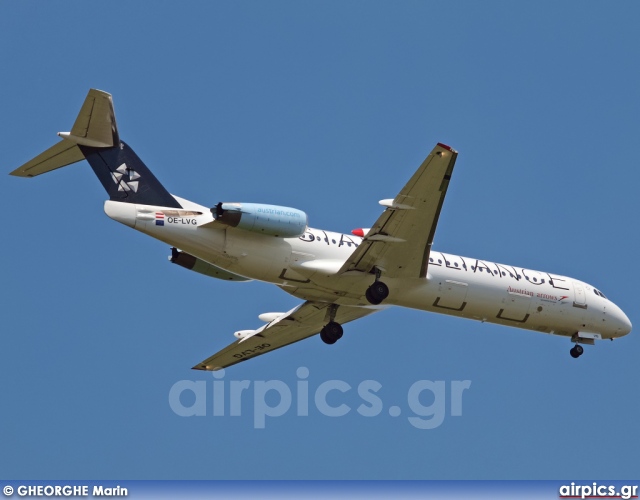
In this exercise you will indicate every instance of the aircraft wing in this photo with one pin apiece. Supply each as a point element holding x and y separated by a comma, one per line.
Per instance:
<point>301,322</point>
<point>400,241</point>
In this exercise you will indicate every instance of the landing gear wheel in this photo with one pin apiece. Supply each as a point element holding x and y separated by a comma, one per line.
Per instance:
<point>331,333</point>
<point>377,292</point>
<point>576,351</point>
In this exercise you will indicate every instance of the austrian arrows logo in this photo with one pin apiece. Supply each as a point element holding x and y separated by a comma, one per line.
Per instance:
<point>159,218</point>
<point>130,184</point>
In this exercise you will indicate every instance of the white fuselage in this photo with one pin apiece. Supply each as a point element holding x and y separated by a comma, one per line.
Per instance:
<point>307,267</point>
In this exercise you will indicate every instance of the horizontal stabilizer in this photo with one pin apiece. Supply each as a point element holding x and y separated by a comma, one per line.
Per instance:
<point>62,154</point>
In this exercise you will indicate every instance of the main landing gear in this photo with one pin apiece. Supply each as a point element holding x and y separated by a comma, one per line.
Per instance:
<point>377,292</point>
<point>576,351</point>
<point>332,331</point>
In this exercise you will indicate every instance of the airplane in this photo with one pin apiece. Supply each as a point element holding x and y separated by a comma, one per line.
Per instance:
<point>340,277</point>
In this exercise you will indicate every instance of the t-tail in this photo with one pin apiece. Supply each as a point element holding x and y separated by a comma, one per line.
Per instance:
<point>95,137</point>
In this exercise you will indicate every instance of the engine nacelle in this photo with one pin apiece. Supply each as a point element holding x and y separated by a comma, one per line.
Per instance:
<point>192,263</point>
<point>271,220</point>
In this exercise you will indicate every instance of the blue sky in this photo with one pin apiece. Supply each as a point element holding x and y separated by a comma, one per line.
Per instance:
<point>327,107</point>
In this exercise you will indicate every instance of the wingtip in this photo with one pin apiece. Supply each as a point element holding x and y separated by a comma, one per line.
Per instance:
<point>21,173</point>
<point>448,148</point>
<point>207,368</point>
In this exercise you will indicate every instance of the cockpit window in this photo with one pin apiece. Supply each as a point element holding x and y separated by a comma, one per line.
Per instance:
<point>599,293</point>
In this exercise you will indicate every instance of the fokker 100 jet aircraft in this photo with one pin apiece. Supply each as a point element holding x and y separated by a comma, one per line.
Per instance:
<point>339,277</point>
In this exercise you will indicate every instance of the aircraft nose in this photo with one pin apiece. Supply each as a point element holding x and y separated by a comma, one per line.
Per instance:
<point>620,320</point>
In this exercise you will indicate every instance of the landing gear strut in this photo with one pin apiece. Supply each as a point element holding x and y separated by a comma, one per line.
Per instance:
<point>332,331</point>
<point>576,351</point>
<point>377,292</point>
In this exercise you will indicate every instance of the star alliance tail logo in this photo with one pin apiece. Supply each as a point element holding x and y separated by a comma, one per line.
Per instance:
<point>128,184</point>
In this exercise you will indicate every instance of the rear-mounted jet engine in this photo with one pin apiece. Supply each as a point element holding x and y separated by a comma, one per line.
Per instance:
<point>271,220</point>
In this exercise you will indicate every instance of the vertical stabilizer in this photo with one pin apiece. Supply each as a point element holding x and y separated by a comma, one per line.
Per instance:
<point>126,178</point>
<point>95,136</point>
